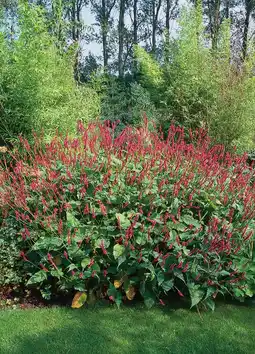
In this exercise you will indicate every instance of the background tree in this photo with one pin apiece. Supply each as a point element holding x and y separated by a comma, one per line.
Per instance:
<point>102,9</point>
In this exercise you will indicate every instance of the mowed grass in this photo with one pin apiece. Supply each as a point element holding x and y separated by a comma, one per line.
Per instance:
<point>229,329</point>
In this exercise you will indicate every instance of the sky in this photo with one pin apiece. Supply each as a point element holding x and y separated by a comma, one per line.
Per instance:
<point>88,20</point>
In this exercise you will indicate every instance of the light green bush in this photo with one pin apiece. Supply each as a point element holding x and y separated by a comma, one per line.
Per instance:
<point>197,86</point>
<point>37,86</point>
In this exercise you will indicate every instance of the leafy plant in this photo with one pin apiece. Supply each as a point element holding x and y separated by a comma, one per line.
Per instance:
<point>11,267</point>
<point>200,87</point>
<point>133,214</point>
<point>37,86</point>
<point>125,101</point>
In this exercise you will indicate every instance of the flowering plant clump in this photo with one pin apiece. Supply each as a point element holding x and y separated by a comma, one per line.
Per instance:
<point>132,214</point>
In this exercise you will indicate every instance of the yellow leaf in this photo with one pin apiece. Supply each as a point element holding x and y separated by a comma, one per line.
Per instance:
<point>130,292</point>
<point>118,283</point>
<point>57,260</point>
<point>79,300</point>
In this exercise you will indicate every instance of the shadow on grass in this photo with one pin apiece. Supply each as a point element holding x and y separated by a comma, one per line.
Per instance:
<point>142,331</point>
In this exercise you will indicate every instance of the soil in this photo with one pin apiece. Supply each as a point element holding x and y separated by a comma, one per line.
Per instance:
<point>25,299</point>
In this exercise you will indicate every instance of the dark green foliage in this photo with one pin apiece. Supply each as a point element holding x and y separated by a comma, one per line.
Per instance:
<point>11,267</point>
<point>126,101</point>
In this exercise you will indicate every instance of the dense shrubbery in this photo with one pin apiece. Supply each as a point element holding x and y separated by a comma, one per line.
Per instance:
<point>133,214</point>
<point>189,84</point>
<point>196,86</point>
<point>37,86</point>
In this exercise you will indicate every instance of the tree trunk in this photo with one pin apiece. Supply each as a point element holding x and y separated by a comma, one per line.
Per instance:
<point>135,32</point>
<point>135,25</point>
<point>73,17</point>
<point>155,14</point>
<point>121,29</point>
<point>78,18</point>
<point>104,26</point>
<point>248,9</point>
<point>216,24</point>
<point>227,9</point>
<point>168,7</point>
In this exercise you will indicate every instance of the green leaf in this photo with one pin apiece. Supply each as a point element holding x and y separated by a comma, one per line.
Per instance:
<point>189,220</point>
<point>167,285</point>
<point>196,294</point>
<point>71,220</point>
<point>210,303</point>
<point>238,292</point>
<point>141,239</point>
<point>72,266</point>
<point>57,273</point>
<point>121,260</point>
<point>48,243</point>
<point>180,227</point>
<point>249,292</point>
<point>124,221</point>
<point>118,251</point>
<point>37,277</point>
<point>80,287</point>
<point>112,270</point>
<point>210,291</point>
<point>85,262</point>
<point>118,299</point>
<point>142,288</point>
<point>149,300</point>
<point>175,205</point>
<point>112,291</point>
<point>224,273</point>
<point>95,267</point>
<point>160,277</point>
<point>178,274</point>
<point>87,274</point>
<point>99,241</point>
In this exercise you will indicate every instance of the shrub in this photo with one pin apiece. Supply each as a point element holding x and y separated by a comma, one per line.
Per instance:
<point>125,101</point>
<point>197,86</point>
<point>37,86</point>
<point>133,214</point>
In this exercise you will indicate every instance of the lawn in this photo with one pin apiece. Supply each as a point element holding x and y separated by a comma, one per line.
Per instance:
<point>129,330</point>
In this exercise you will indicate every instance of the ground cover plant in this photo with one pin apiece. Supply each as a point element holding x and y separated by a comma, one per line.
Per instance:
<point>132,215</point>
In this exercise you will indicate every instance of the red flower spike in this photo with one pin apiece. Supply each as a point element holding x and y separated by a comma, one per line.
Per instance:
<point>180,293</point>
<point>22,254</point>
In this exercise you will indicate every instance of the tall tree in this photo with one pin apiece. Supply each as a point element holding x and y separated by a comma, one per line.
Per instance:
<point>215,23</point>
<point>121,29</point>
<point>74,14</point>
<point>103,13</point>
<point>156,6</point>
<point>227,9</point>
<point>135,22</point>
<point>249,6</point>
<point>171,9</point>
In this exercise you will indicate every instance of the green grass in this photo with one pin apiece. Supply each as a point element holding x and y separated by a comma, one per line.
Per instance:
<point>130,330</point>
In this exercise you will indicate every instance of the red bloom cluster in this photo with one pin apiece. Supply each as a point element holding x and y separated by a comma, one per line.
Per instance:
<point>176,206</point>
